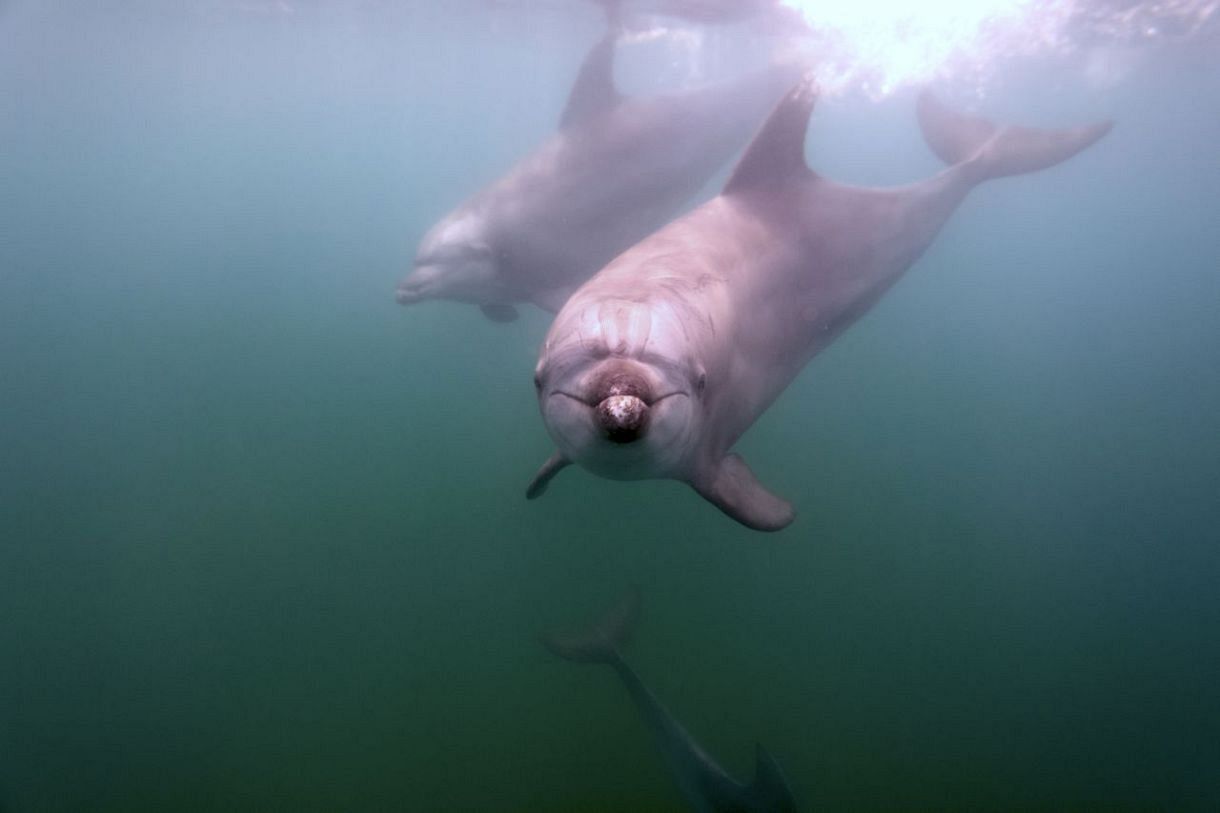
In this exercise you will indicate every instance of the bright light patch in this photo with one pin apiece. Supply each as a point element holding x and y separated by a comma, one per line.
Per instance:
<point>880,45</point>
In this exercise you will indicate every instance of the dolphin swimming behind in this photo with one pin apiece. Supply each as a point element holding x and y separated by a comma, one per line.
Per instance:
<point>704,785</point>
<point>659,363</point>
<point>618,168</point>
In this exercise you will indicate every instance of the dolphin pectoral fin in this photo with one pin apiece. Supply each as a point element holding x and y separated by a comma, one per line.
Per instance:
<point>594,89</point>
<point>735,490</point>
<point>554,464</point>
<point>500,313</point>
<point>552,299</point>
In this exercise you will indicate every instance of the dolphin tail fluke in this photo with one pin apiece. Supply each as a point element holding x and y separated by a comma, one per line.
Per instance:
<point>993,151</point>
<point>770,790</point>
<point>602,642</point>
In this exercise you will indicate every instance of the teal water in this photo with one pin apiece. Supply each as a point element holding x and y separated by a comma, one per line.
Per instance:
<point>263,540</point>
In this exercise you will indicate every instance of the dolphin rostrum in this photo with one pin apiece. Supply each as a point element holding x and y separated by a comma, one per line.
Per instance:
<point>617,169</point>
<point>704,785</point>
<point>657,365</point>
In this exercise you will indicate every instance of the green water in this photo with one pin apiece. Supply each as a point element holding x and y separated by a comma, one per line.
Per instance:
<point>263,540</point>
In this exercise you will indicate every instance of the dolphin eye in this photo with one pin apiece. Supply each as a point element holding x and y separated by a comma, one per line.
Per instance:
<point>701,382</point>
<point>537,380</point>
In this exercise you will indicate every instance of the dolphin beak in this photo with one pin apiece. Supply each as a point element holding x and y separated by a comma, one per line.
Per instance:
<point>624,418</point>
<point>418,285</point>
<point>414,287</point>
<point>621,401</point>
<point>407,294</point>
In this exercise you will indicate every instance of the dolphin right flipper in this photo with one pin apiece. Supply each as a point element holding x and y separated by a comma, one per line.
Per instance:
<point>735,490</point>
<point>553,465</point>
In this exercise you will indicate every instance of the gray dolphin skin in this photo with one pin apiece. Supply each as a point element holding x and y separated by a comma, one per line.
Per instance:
<point>617,169</point>
<point>704,785</point>
<point>659,364</point>
<point>720,11</point>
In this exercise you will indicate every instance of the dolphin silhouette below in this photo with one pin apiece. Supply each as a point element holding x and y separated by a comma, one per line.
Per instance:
<point>703,784</point>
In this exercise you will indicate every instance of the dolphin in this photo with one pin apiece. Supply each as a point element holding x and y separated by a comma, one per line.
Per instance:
<point>704,785</point>
<point>617,169</point>
<point>658,364</point>
<point>712,12</point>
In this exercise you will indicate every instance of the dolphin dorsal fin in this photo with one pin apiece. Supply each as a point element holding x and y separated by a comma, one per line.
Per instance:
<point>777,153</point>
<point>594,91</point>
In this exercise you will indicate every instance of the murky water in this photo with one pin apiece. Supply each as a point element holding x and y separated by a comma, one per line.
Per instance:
<point>263,540</point>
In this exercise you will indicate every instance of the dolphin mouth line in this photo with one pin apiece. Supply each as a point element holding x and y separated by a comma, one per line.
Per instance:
<point>407,296</point>
<point>592,404</point>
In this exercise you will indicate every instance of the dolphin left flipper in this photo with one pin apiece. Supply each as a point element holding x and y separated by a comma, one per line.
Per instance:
<point>734,489</point>
<point>553,465</point>
<point>499,312</point>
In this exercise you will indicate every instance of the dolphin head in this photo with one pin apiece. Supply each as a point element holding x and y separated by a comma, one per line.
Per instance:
<point>626,413</point>
<point>455,261</point>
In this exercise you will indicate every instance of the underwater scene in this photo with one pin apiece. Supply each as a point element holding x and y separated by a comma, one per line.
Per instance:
<point>609,405</point>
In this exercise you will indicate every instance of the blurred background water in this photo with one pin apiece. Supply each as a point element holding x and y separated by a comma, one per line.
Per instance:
<point>263,540</point>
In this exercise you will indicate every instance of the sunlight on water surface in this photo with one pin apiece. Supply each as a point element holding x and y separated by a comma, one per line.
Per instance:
<point>880,46</point>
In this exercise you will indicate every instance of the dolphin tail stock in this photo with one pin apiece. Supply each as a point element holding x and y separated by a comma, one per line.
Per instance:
<point>995,151</point>
<point>602,642</point>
